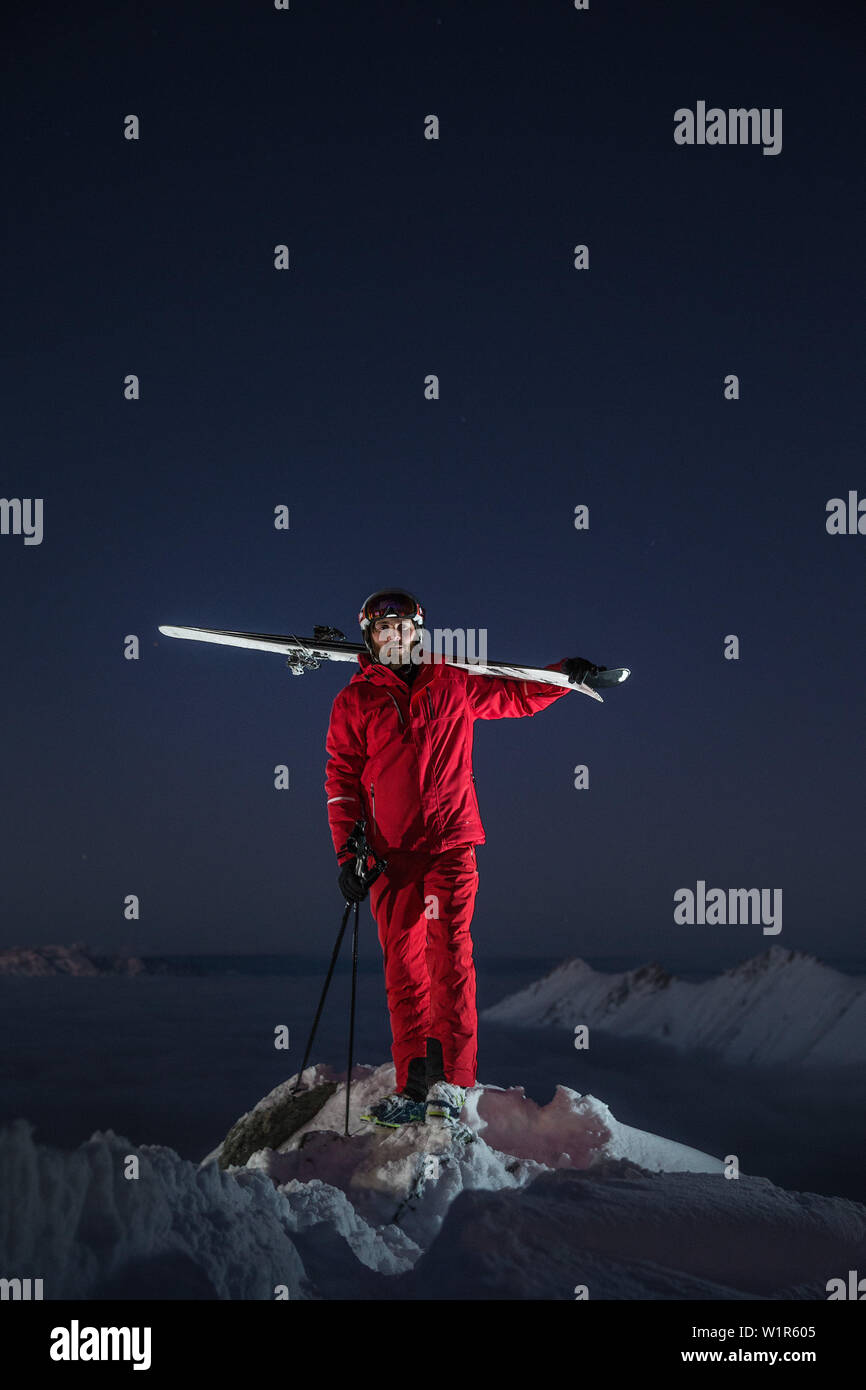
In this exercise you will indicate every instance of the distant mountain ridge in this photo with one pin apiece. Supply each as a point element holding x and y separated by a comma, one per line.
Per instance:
<point>780,1006</point>
<point>75,959</point>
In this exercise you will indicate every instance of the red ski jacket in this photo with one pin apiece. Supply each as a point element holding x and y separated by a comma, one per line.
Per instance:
<point>400,756</point>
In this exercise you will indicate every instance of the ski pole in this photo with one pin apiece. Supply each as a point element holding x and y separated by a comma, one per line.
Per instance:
<point>352,1014</point>
<point>358,842</point>
<point>367,876</point>
<point>336,952</point>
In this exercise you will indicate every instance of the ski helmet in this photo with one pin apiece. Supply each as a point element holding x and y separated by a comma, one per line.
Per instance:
<point>389,603</point>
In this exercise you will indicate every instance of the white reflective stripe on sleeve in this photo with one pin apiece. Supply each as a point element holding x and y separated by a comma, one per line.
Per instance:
<point>341,798</point>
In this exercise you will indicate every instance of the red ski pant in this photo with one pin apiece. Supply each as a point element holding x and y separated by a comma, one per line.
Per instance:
<point>423,906</point>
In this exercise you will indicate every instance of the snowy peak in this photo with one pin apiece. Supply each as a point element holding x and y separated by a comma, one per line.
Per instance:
<point>775,958</point>
<point>780,1006</point>
<point>551,999</point>
<point>570,1131</point>
<point>411,1175</point>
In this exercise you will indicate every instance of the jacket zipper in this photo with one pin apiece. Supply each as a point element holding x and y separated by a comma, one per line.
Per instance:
<point>397,708</point>
<point>373,800</point>
<point>430,737</point>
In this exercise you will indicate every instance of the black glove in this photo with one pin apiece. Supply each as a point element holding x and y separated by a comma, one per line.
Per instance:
<point>351,886</point>
<point>577,668</point>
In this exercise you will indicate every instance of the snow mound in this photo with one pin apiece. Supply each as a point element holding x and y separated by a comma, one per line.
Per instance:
<point>533,1201</point>
<point>781,1006</point>
<point>621,1233</point>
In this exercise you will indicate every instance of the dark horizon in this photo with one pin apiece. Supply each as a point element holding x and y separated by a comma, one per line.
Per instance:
<point>531,965</point>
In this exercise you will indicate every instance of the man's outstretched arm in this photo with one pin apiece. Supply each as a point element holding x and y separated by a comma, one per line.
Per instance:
<point>498,697</point>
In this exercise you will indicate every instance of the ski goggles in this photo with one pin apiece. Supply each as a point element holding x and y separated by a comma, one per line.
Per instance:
<point>390,605</point>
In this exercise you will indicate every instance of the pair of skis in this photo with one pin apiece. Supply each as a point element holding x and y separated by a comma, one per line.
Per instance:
<point>329,644</point>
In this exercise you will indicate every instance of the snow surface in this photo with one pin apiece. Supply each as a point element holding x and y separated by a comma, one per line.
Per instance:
<point>546,1198</point>
<point>781,1006</point>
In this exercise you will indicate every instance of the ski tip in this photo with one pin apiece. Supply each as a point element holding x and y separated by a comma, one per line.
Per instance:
<point>608,678</point>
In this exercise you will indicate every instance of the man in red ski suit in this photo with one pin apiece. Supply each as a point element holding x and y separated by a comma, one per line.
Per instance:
<point>399,746</point>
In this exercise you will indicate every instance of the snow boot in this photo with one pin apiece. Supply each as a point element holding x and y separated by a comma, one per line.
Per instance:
<point>445,1100</point>
<point>396,1110</point>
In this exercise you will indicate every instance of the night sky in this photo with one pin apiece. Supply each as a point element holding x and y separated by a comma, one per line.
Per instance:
<point>558,387</point>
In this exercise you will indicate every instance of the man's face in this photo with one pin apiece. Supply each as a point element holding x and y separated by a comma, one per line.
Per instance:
<point>392,639</point>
